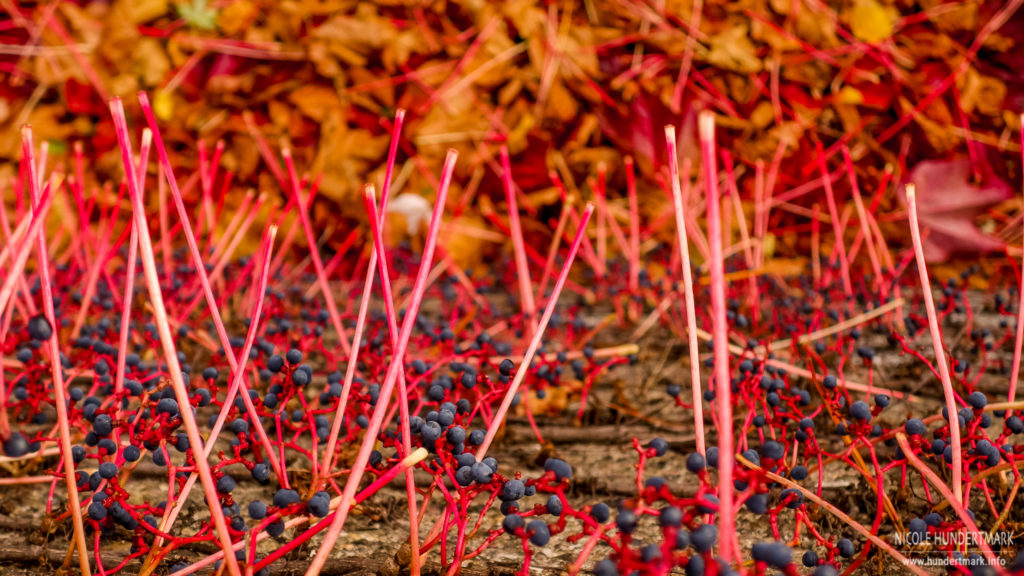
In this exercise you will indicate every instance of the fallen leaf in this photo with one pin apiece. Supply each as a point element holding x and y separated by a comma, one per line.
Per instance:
<point>733,50</point>
<point>948,204</point>
<point>871,22</point>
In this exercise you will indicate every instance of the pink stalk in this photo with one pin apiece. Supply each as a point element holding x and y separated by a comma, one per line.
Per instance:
<point>236,220</point>
<point>314,250</point>
<point>940,355</point>
<point>723,394</point>
<point>522,268</point>
<point>837,228</point>
<point>12,238</point>
<point>602,219</point>
<point>165,237</point>
<point>408,462</point>
<point>357,336</point>
<point>57,372</point>
<point>1019,341</point>
<point>13,241</point>
<point>556,241</point>
<point>377,225</point>
<point>391,378</point>
<point>225,259</point>
<point>350,369</point>
<point>865,227</point>
<point>129,282</point>
<point>634,232</point>
<point>691,311</point>
<point>197,259</point>
<point>14,272</point>
<point>237,385</point>
<point>524,366</point>
<point>396,130</point>
<point>166,338</point>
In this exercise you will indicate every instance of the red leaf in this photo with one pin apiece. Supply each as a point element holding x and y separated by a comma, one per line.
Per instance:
<point>949,202</point>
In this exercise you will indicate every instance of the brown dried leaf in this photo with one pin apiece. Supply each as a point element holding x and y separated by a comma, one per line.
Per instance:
<point>981,93</point>
<point>732,49</point>
<point>237,16</point>
<point>315,101</point>
<point>343,157</point>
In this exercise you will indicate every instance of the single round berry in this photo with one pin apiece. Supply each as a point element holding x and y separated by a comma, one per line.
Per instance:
<point>16,445</point>
<point>512,490</point>
<point>651,554</point>
<point>600,512</point>
<point>97,511</point>
<point>774,450</point>
<point>300,378</point>
<point>561,468</point>
<point>695,462</point>
<point>554,505</point>
<point>225,484</point>
<point>704,537</point>
<point>977,400</point>
<point>860,410</point>
<point>626,521</point>
<point>539,532</point>
<point>915,426</point>
<point>810,559</point>
<point>512,522</point>
<point>108,470</point>
<point>670,517</point>
<point>102,425</point>
<point>482,473</point>
<point>799,472</point>
<point>261,472</point>
<point>257,510</point>
<point>275,363</point>
<point>39,328</point>
<point>659,445</point>
<point>319,504</point>
<point>506,367</point>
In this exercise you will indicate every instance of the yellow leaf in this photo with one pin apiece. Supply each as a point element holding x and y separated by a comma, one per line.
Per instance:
<point>849,95</point>
<point>870,21</point>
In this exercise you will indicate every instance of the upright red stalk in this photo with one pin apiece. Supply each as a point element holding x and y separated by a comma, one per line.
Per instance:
<point>314,250</point>
<point>377,227</point>
<point>522,268</point>
<point>164,329</point>
<point>524,365</point>
<point>634,234</point>
<point>14,271</point>
<point>197,259</point>
<point>723,394</point>
<point>350,370</point>
<point>691,311</point>
<point>839,250</point>
<point>940,354</point>
<point>56,370</point>
<point>1019,340</point>
<point>391,378</point>
<point>129,270</point>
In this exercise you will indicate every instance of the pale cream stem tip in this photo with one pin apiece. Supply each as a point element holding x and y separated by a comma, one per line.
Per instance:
<point>706,126</point>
